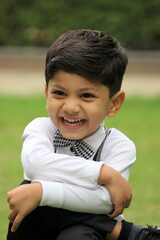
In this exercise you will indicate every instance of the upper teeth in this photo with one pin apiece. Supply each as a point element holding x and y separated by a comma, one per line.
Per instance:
<point>72,120</point>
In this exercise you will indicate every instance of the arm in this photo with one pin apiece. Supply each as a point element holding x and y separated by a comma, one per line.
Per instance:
<point>40,162</point>
<point>72,194</point>
<point>75,198</point>
<point>79,199</point>
<point>25,198</point>
<point>38,150</point>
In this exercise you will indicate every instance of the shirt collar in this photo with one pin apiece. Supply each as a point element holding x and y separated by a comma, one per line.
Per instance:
<point>96,139</point>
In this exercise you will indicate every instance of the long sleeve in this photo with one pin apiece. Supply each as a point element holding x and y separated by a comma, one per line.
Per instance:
<point>54,170</point>
<point>75,198</point>
<point>78,199</point>
<point>119,152</point>
<point>40,162</point>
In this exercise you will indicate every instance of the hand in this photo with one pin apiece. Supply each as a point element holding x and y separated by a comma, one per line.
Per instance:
<point>23,200</point>
<point>121,195</point>
<point>118,188</point>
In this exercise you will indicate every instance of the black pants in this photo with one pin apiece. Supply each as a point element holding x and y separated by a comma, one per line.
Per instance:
<point>47,223</point>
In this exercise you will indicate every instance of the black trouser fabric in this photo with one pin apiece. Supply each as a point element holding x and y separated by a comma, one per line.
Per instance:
<point>47,223</point>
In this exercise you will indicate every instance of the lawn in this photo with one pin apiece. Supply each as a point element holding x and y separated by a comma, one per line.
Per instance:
<point>139,119</point>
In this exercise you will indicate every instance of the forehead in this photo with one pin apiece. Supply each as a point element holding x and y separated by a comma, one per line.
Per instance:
<point>65,77</point>
<point>72,80</point>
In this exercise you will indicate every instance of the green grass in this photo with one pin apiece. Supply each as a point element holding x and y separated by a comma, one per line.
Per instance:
<point>15,114</point>
<point>139,119</point>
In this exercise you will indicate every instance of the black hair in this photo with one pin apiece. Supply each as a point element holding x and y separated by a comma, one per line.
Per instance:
<point>93,54</point>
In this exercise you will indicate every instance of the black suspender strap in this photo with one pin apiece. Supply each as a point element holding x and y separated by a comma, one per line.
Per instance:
<point>98,153</point>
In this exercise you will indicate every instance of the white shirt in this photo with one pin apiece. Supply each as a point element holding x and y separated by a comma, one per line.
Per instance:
<point>68,181</point>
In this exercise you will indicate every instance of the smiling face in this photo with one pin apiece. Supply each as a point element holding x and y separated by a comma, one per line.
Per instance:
<point>77,106</point>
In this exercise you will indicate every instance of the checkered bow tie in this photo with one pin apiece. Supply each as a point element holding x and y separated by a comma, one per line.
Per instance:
<point>79,147</point>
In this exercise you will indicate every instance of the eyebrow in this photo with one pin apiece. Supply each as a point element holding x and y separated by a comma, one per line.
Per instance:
<point>88,89</point>
<point>58,86</point>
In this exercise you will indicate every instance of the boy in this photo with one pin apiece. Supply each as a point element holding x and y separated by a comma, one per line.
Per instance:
<point>84,71</point>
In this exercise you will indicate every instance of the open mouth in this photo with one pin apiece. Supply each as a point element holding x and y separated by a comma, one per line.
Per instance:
<point>72,122</point>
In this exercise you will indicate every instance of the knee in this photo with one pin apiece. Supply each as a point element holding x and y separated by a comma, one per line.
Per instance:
<point>77,232</point>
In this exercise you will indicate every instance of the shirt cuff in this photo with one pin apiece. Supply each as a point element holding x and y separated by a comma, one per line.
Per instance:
<point>52,194</point>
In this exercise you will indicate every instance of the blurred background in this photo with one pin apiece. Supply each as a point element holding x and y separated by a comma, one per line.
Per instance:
<point>27,29</point>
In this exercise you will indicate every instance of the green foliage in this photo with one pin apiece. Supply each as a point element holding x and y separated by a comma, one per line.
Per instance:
<point>38,23</point>
<point>138,119</point>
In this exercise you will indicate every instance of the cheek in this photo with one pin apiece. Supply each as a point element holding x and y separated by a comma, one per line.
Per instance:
<point>48,107</point>
<point>100,110</point>
<point>96,115</point>
<point>53,108</point>
<point>50,103</point>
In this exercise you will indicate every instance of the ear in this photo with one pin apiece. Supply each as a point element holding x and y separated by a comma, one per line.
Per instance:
<point>116,103</point>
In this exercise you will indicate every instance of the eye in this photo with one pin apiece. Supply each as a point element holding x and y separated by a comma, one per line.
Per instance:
<point>58,93</point>
<point>87,95</point>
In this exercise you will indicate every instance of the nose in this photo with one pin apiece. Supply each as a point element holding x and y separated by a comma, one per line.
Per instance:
<point>71,106</point>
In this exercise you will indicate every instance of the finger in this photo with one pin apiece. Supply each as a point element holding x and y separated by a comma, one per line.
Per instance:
<point>11,206</point>
<point>127,204</point>
<point>17,222</point>
<point>116,212</point>
<point>12,216</point>
<point>8,198</point>
<point>113,214</point>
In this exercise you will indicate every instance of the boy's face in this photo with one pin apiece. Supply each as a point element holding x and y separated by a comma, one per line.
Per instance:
<point>77,106</point>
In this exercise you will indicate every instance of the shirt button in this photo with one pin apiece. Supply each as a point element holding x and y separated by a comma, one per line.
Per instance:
<point>71,149</point>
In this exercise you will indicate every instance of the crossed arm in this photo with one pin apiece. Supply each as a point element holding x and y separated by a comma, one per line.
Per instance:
<point>87,195</point>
